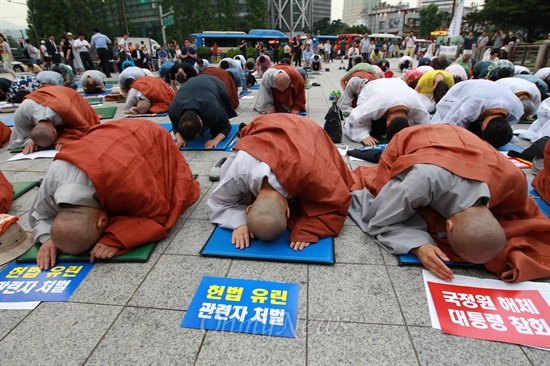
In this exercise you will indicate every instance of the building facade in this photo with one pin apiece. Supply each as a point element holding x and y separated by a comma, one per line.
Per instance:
<point>291,16</point>
<point>357,12</point>
<point>321,9</point>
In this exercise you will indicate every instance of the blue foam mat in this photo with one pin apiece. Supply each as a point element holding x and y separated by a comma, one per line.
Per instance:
<point>229,148</point>
<point>198,144</point>
<point>543,206</point>
<point>246,92</point>
<point>166,126</point>
<point>509,146</point>
<point>8,120</point>
<point>107,91</point>
<point>219,245</point>
<point>255,87</point>
<point>410,259</point>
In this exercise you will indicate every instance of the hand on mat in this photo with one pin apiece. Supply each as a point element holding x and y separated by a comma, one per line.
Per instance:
<point>47,255</point>
<point>292,111</point>
<point>298,245</point>
<point>269,111</point>
<point>210,144</point>
<point>180,141</point>
<point>58,146</point>
<point>431,257</point>
<point>370,141</point>
<point>30,148</point>
<point>509,274</point>
<point>102,251</point>
<point>241,237</point>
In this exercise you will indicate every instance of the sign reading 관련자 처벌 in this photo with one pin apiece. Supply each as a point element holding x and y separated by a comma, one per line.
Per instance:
<point>245,306</point>
<point>26,282</point>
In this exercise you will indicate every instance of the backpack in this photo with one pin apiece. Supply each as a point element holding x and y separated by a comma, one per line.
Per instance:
<point>333,124</point>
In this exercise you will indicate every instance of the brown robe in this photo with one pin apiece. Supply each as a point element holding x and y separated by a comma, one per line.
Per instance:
<point>77,114</point>
<point>295,95</point>
<point>310,169</point>
<point>541,183</point>
<point>141,178</point>
<point>454,148</point>
<point>227,80</point>
<point>6,194</point>
<point>157,91</point>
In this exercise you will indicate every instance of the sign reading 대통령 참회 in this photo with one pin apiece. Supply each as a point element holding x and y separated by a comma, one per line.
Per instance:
<point>245,306</point>
<point>26,282</point>
<point>519,316</point>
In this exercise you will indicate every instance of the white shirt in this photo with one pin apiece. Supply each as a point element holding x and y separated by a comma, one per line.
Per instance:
<point>541,127</point>
<point>467,100</point>
<point>241,179</point>
<point>543,73</point>
<point>374,101</point>
<point>410,41</point>
<point>81,45</point>
<point>63,183</point>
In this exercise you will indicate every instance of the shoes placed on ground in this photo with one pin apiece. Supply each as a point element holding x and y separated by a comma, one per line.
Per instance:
<point>316,84</point>
<point>216,170</point>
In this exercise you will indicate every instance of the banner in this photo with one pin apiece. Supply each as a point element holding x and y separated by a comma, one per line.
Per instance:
<point>456,23</point>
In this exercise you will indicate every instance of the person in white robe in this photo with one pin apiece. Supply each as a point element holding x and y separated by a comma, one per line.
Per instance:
<point>526,91</point>
<point>476,104</point>
<point>353,89</point>
<point>93,82</point>
<point>541,127</point>
<point>384,98</point>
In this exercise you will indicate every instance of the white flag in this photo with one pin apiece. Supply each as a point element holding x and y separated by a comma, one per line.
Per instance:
<point>454,29</point>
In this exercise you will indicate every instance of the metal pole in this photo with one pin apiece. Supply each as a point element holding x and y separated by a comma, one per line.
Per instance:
<point>162,26</point>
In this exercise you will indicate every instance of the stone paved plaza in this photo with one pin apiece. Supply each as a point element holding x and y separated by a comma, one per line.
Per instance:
<point>363,310</point>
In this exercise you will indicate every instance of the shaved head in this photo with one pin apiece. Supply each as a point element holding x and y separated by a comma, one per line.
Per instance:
<point>76,229</point>
<point>475,235</point>
<point>143,106</point>
<point>267,216</point>
<point>529,108</point>
<point>282,81</point>
<point>44,134</point>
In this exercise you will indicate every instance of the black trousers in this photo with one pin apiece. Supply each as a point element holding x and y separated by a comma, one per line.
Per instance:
<point>87,60</point>
<point>104,61</point>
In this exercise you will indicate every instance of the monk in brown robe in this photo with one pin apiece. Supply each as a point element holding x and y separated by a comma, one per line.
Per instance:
<point>51,115</point>
<point>289,174</point>
<point>282,90</point>
<point>124,184</point>
<point>6,189</point>
<point>148,94</point>
<point>541,183</point>
<point>227,79</point>
<point>443,194</point>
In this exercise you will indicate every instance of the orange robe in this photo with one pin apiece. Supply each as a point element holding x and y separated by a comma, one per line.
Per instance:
<point>77,114</point>
<point>295,95</point>
<point>462,153</point>
<point>6,194</point>
<point>227,80</point>
<point>310,169</point>
<point>142,180</point>
<point>541,183</point>
<point>157,91</point>
<point>5,133</point>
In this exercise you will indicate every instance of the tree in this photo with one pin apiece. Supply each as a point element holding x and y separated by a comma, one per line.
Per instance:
<point>322,26</point>
<point>431,19</point>
<point>256,17</point>
<point>472,21</point>
<point>356,29</point>
<point>528,15</point>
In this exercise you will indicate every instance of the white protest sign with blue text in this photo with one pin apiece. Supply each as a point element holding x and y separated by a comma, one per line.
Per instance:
<point>245,306</point>
<point>26,282</point>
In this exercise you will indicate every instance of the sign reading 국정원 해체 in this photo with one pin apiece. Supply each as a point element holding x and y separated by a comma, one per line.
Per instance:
<point>245,306</point>
<point>26,282</point>
<point>512,316</point>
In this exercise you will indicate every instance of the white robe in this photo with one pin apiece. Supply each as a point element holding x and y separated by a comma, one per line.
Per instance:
<point>543,73</point>
<point>26,117</point>
<point>391,216</point>
<point>519,85</point>
<point>541,127</point>
<point>241,178</point>
<point>467,100</point>
<point>265,102</point>
<point>374,101</point>
<point>77,63</point>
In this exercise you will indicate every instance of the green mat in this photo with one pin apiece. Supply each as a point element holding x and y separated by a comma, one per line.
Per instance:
<point>195,176</point>
<point>106,112</point>
<point>524,122</point>
<point>18,150</point>
<point>123,100</point>
<point>308,85</point>
<point>111,81</point>
<point>93,101</point>
<point>314,73</point>
<point>20,188</point>
<point>310,77</point>
<point>139,254</point>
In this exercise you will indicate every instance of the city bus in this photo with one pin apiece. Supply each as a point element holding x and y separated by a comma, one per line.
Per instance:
<point>227,40</point>
<point>381,38</point>
<point>348,38</point>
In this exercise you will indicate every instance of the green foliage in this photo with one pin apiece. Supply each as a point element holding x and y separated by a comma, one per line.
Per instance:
<point>326,27</point>
<point>358,29</point>
<point>431,19</point>
<point>256,17</point>
<point>250,52</point>
<point>528,15</point>
<point>204,52</point>
<point>234,52</point>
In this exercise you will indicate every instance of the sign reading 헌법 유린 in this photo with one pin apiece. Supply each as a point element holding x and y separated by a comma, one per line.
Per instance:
<point>26,282</point>
<point>245,306</point>
<point>512,316</point>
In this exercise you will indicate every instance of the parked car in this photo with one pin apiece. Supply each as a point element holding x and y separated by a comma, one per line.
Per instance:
<point>19,64</point>
<point>19,56</point>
